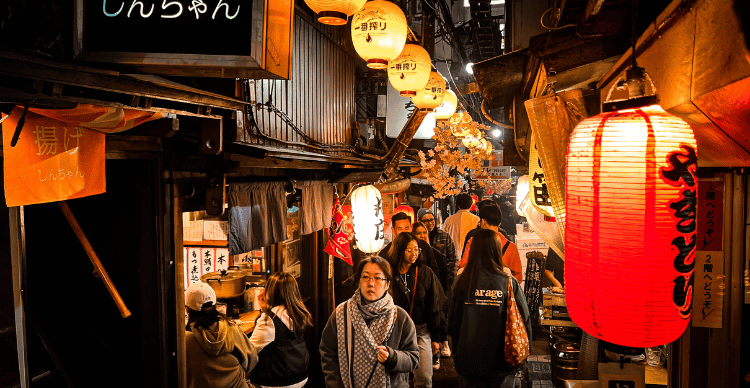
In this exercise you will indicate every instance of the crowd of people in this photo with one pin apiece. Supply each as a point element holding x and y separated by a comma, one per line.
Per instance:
<point>411,298</point>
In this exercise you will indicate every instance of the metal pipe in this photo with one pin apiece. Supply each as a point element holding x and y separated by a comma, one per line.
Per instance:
<point>94,259</point>
<point>18,254</point>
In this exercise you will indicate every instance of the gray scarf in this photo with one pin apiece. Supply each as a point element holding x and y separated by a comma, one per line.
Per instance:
<point>357,342</point>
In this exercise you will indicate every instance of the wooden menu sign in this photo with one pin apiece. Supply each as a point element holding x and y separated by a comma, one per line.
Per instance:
<point>208,38</point>
<point>52,161</point>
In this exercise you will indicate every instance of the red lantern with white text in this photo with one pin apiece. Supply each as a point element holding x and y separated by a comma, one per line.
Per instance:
<point>631,230</point>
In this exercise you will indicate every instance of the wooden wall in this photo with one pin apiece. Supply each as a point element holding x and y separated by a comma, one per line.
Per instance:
<point>319,97</point>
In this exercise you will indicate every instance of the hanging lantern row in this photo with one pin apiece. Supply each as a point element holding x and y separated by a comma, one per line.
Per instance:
<point>431,95</point>
<point>631,205</point>
<point>335,12</point>
<point>379,32</point>
<point>367,214</point>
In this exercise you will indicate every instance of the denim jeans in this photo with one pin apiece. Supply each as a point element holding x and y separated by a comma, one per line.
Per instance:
<point>423,374</point>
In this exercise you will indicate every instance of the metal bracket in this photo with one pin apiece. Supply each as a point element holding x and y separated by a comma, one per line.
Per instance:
<point>212,136</point>
<point>216,194</point>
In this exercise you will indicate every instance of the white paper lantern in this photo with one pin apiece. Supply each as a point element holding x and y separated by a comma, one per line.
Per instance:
<point>379,33</point>
<point>367,216</point>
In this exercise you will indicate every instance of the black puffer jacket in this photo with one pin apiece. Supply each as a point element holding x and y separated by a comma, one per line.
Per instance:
<point>429,300</point>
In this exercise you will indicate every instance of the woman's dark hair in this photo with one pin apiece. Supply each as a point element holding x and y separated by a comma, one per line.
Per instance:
<point>377,260</point>
<point>398,250</point>
<point>485,255</point>
<point>418,224</point>
<point>282,289</point>
<point>204,318</point>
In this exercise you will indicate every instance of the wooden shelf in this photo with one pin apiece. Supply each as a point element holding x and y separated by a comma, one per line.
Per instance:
<point>206,243</point>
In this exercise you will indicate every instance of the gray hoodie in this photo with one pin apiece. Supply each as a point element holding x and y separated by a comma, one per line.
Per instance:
<point>221,356</point>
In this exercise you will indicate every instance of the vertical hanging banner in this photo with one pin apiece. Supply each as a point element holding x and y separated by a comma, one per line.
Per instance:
<point>52,161</point>
<point>708,299</point>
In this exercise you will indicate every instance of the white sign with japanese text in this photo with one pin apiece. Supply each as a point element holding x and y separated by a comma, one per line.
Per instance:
<point>708,290</point>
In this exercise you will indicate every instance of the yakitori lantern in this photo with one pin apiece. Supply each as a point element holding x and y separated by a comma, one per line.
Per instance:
<point>538,190</point>
<point>431,95</point>
<point>367,214</point>
<point>631,228</point>
<point>379,32</point>
<point>410,71</point>
<point>404,208</point>
<point>447,108</point>
<point>460,124</point>
<point>335,12</point>
<point>471,142</point>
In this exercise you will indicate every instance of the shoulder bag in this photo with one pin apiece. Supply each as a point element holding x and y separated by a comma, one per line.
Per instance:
<point>516,339</point>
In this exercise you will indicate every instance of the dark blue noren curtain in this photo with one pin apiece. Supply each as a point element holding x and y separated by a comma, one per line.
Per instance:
<point>317,201</point>
<point>257,215</point>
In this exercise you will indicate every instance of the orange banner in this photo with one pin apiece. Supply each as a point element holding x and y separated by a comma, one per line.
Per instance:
<point>52,161</point>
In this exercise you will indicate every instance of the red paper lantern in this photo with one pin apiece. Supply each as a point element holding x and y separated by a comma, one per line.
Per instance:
<point>630,235</point>
<point>403,208</point>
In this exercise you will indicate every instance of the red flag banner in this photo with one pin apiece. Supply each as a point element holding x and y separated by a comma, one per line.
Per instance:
<point>338,240</point>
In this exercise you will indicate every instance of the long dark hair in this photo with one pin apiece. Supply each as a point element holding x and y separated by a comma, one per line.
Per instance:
<point>282,289</point>
<point>204,318</point>
<point>398,250</point>
<point>485,255</point>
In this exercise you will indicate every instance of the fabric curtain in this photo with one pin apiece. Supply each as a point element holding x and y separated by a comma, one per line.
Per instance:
<point>257,215</point>
<point>317,200</point>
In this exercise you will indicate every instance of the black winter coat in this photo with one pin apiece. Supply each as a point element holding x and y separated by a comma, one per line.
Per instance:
<point>428,302</point>
<point>428,255</point>
<point>477,328</point>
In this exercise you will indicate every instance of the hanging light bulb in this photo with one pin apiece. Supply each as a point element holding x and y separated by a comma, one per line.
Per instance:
<point>410,71</point>
<point>447,108</point>
<point>431,95</point>
<point>335,12</point>
<point>379,32</point>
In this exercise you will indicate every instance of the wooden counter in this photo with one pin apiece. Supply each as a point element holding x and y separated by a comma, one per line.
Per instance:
<point>248,321</point>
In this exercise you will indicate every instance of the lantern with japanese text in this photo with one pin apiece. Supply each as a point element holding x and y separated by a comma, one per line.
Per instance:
<point>410,71</point>
<point>335,12</point>
<point>431,95</point>
<point>538,184</point>
<point>404,208</point>
<point>447,108</point>
<point>460,124</point>
<point>379,32</point>
<point>631,230</point>
<point>367,214</point>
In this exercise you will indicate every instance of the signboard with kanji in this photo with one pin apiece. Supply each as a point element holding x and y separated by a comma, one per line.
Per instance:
<point>708,289</point>
<point>52,161</point>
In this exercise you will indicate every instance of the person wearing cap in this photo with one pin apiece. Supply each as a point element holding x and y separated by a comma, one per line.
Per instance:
<point>490,216</point>
<point>217,352</point>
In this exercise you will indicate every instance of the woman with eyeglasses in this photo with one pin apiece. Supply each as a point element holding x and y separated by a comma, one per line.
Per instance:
<point>419,292</point>
<point>368,340</point>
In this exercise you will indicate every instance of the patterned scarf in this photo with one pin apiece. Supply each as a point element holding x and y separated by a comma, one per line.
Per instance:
<point>357,341</point>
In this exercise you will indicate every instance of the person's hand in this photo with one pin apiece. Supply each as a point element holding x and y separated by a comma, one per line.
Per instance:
<point>261,300</point>
<point>382,353</point>
<point>435,347</point>
<point>557,290</point>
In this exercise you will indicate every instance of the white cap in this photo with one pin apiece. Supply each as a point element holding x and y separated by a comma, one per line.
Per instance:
<point>199,294</point>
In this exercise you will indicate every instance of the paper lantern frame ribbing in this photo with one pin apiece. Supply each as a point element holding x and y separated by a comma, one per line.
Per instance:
<point>631,230</point>
<point>367,217</point>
